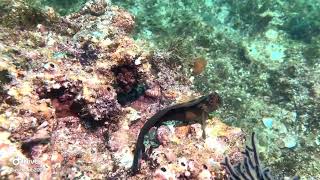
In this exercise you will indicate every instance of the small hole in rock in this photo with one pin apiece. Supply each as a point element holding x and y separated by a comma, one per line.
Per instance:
<point>163,169</point>
<point>205,166</point>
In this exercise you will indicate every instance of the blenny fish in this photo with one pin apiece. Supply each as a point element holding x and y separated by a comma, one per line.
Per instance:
<point>194,111</point>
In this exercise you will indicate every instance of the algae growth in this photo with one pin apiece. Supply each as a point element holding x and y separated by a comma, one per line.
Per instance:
<point>93,73</point>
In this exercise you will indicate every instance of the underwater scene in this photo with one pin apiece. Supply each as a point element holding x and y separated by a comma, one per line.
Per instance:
<point>160,89</point>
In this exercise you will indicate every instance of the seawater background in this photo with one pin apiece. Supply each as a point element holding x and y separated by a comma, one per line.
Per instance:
<point>263,58</point>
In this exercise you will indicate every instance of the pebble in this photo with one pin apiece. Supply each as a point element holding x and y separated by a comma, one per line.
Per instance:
<point>2,48</point>
<point>290,141</point>
<point>268,122</point>
<point>204,174</point>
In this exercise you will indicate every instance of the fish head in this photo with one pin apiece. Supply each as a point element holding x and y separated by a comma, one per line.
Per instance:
<point>213,101</point>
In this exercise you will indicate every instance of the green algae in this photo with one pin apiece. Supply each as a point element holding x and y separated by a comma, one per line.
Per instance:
<point>64,7</point>
<point>5,77</point>
<point>257,61</point>
<point>303,21</point>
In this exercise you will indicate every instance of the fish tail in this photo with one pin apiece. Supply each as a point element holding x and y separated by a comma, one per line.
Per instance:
<point>137,154</point>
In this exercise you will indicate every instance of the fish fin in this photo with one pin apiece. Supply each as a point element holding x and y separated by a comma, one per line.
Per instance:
<point>203,124</point>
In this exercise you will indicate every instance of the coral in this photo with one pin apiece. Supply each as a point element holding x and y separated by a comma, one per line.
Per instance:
<point>154,90</point>
<point>127,81</point>
<point>123,20</point>
<point>88,53</point>
<point>96,7</point>
<point>5,78</point>
<point>10,157</point>
<point>63,90</point>
<point>63,94</point>
<point>23,15</point>
<point>311,53</point>
<point>163,135</point>
<point>183,153</point>
<point>104,108</point>
<point>301,29</point>
<point>250,167</point>
<point>127,76</point>
<point>60,94</point>
<point>267,52</point>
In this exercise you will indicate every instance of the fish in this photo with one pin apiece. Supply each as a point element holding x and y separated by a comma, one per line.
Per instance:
<point>194,111</point>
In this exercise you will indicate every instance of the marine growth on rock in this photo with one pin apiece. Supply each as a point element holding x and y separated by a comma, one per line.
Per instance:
<point>81,79</point>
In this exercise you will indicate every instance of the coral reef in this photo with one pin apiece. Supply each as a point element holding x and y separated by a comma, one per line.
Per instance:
<point>76,90</point>
<point>76,87</point>
<point>59,93</point>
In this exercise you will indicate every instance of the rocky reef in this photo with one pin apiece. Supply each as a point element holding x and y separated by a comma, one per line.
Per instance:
<point>75,91</point>
<point>79,79</point>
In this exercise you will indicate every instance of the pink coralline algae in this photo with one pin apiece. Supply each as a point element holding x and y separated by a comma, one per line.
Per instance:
<point>123,20</point>
<point>163,135</point>
<point>184,154</point>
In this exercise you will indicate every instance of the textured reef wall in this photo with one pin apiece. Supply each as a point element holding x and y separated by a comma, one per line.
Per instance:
<point>76,89</point>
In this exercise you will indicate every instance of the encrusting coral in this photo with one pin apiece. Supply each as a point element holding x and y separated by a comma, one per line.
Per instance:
<point>184,154</point>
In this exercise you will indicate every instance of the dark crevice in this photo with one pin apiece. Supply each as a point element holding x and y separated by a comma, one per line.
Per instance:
<point>80,108</point>
<point>28,145</point>
<point>128,83</point>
